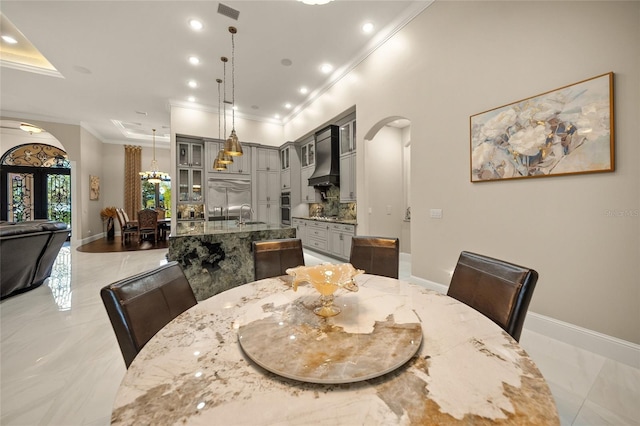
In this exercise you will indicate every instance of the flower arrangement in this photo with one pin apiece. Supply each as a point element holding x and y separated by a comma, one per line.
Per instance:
<point>108,213</point>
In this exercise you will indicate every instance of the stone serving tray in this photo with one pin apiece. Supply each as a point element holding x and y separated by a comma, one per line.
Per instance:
<point>374,334</point>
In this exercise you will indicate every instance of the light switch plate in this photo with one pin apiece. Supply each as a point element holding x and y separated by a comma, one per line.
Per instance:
<point>436,213</point>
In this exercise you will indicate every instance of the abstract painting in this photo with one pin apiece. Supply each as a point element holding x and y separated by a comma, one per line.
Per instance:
<point>560,132</point>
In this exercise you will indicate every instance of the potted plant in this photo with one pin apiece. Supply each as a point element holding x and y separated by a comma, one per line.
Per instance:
<point>108,215</point>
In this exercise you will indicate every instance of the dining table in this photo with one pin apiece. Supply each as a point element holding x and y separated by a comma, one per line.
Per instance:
<point>396,354</point>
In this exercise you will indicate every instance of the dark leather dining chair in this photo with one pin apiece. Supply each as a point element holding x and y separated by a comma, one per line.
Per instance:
<point>139,306</point>
<point>272,258</point>
<point>376,255</point>
<point>500,290</point>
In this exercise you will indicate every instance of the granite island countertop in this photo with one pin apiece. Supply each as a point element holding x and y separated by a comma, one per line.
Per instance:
<point>217,256</point>
<point>185,228</point>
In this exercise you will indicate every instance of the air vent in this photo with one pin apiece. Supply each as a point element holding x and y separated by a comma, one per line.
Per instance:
<point>225,10</point>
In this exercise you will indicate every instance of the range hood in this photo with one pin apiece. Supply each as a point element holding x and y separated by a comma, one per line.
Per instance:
<point>327,170</point>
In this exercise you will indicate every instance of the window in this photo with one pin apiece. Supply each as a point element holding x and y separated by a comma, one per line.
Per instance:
<point>157,195</point>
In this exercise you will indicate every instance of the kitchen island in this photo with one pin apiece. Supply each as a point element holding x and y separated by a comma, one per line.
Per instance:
<point>217,256</point>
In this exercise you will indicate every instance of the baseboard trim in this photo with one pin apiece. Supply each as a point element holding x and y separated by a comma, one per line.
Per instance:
<point>91,238</point>
<point>608,346</point>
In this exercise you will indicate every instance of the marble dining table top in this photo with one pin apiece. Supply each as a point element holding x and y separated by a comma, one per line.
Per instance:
<point>465,370</point>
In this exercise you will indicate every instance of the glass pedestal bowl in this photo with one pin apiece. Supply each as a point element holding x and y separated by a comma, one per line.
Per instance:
<point>327,279</point>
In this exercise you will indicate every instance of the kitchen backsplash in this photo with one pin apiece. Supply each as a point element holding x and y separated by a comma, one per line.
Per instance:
<point>332,206</point>
<point>185,211</point>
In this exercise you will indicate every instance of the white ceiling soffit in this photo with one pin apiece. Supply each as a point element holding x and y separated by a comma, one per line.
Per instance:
<point>22,55</point>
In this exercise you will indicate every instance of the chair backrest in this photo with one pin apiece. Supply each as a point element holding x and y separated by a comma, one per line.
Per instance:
<point>272,258</point>
<point>500,290</point>
<point>121,219</point>
<point>147,220</point>
<point>125,215</point>
<point>376,255</point>
<point>139,306</point>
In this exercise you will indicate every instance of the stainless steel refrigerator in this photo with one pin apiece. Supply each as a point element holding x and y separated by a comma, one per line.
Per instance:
<point>226,196</point>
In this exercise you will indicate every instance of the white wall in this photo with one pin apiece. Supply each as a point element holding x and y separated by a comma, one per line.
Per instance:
<point>385,182</point>
<point>460,58</point>
<point>193,122</point>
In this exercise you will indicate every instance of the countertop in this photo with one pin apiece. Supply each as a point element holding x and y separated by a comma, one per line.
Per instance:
<point>328,220</point>
<point>222,227</point>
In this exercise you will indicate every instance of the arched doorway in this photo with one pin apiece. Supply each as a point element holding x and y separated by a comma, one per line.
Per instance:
<point>36,184</point>
<point>387,160</point>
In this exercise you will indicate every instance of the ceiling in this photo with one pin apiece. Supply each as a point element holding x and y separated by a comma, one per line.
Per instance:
<point>119,65</point>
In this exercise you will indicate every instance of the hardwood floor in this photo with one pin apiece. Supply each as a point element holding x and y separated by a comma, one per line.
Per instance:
<point>111,246</point>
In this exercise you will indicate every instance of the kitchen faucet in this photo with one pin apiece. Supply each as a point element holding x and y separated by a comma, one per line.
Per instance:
<point>241,221</point>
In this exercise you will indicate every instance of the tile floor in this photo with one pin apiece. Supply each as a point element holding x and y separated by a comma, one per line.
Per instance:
<point>60,363</point>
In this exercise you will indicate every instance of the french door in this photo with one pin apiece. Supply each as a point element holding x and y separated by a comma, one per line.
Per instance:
<point>30,193</point>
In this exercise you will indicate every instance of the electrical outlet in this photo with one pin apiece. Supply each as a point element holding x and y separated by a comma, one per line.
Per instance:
<point>388,209</point>
<point>436,213</point>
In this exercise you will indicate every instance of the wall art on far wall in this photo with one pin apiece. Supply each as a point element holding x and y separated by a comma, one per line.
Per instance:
<point>94,187</point>
<point>560,132</point>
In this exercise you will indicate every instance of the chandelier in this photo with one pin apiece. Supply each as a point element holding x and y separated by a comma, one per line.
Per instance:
<point>153,175</point>
<point>232,144</point>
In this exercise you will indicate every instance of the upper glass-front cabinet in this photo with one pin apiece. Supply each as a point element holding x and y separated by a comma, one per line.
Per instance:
<point>190,154</point>
<point>348,137</point>
<point>308,154</point>
<point>284,158</point>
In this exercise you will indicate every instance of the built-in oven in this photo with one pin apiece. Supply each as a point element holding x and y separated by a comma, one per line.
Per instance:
<point>285,208</point>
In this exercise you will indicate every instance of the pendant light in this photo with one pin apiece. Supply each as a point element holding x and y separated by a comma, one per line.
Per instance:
<point>232,145</point>
<point>153,175</point>
<point>220,163</point>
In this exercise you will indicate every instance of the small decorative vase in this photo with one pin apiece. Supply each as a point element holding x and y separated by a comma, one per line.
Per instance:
<point>327,279</point>
<point>111,229</point>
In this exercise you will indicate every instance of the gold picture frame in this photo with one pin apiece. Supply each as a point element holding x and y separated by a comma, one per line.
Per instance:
<point>94,188</point>
<point>565,131</point>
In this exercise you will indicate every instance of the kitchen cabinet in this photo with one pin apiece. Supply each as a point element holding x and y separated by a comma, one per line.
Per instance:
<point>333,239</point>
<point>317,235</point>
<point>268,213</point>
<point>285,168</point>
<point>348,137</point>
<point>190,154</point>
<point>268,195</point>
<point>190,171</point>
<point>241,164</point>
<point>308,194</point>
<point>340,236</point>
<point>284,158</point>
<point>190,185</point>
<point>308,154</point>
<point>268,159</point>
<point>285,179</point>
<point>301,229</point>
<point>348,178</point>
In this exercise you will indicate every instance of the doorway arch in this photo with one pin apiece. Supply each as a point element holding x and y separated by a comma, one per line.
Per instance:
<point>386,171</point>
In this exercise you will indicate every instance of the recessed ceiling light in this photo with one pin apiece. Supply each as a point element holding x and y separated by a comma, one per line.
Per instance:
<point>277,116</point>
<point>287,105</point>
<point>195,24</point>
<point>367,27</point>
<point>304,90</point>
<point>193,60</point>
<point>9,39</point>
<point>193,84</point>
<point>326,68</point>
<point>191,99</point>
